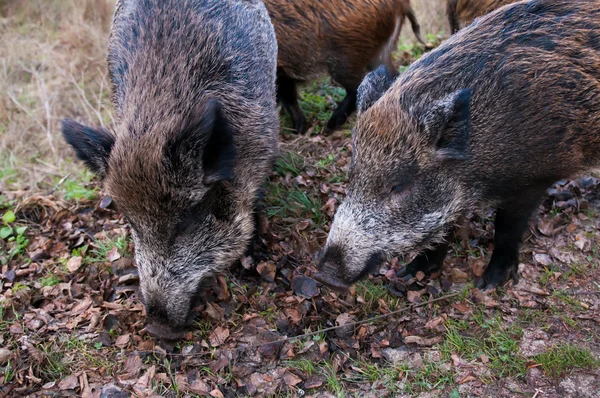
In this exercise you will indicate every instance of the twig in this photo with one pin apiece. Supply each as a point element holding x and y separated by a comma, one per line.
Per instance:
<point>329,329</point>
<point>58,184</point>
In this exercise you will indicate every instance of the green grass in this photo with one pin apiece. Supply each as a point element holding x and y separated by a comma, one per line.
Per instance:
<point>319,98</point>
<point>561,359</point>
<point>78,188</point>
<point>50,280</point>
<point>332,381</point>
<point>486,336</point>
<point>304,365</point>
<point>372,293</point>
<point>102,248</point>
<point>289,162</point>
<point>295,204</point>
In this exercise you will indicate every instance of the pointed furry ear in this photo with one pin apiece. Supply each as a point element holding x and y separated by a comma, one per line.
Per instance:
<point>91,145</point>
<point>373,86</point>
<point>448,124</point>
<point>210,138</point>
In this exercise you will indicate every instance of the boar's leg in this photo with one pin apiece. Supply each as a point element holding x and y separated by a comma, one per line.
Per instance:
<point>287,93</point>
<point>426,262</point>
<point>511,222</point>
<point>343,110</point>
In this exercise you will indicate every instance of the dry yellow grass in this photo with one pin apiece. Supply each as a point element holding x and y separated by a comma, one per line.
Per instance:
<point>53,66</point>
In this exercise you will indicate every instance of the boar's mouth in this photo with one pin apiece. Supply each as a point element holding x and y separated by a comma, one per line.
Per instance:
<point>164,332</point>
<point>328,274</point>
<point>331,281</point>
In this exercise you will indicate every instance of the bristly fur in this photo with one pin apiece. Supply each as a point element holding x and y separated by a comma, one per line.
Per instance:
<point>495,115</point>
<point>462,12</point>
<point>345,38</point>
<point>193,85</point>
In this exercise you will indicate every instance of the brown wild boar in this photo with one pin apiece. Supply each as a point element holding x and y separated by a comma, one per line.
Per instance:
<point>345,38</point>
<point>495,115</point>
<point>462,12</point>
<point>196,135</point>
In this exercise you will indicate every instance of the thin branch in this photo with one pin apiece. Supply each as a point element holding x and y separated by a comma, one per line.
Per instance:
<point>301,336</point>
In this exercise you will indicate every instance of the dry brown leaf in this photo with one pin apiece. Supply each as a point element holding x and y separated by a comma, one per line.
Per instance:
<point>218,336</point>
<point>122,341</point>
<point>267,270</point>
<point>291,379</point>
<point>68,383</point>
<point>435,322</point>
<point>216,393</point>
<point>74,263</point>
<point>133,366</point>
<point>113,254</point>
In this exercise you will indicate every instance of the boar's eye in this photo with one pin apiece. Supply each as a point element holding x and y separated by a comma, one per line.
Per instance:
<point>398,190</point>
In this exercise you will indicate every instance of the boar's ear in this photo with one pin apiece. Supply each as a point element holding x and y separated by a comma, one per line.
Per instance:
<point>372,88</point>
<point>448,124</point>
<point>92,145</point>
<point>218,159</point>
<point>208,139</point>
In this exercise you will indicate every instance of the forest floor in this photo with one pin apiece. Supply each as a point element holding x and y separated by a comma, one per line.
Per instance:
<point>71,323</point>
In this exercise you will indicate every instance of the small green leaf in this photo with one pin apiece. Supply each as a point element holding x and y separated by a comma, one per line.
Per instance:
<point>98,345</point>
<point>21,230</point>
<point>9,217</point>
<point>5,232</point>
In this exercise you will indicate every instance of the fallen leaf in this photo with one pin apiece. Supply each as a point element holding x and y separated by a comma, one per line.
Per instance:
<point>68,383</point>
<point>478,268</point>
<point>216,393</point>
<point>305,287</point>
<point>458,276</point>
<point>291,379</point>
<point>5,355</point>
<point>113,254</point>
<point>413,296</point>
<point>467,379</point>
<point>424,342</point>
<point>74,263</point>
<point>218,336</point>
<point>133,366</point>
<point>435,322</point>
<point>267,270</point>
<point>543,259</point>
<point>122,341</point>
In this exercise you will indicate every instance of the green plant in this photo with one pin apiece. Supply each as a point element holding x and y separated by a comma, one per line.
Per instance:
<point>15,235</point>
<point>561,359</point>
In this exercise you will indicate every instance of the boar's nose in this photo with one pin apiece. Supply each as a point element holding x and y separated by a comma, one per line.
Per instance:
<point>330,268</point>
<point>161,326</point>
<point>165,332</point>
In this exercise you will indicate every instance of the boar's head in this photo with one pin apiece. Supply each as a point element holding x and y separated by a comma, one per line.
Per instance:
<point>177,189</point>
<point>405,187</point>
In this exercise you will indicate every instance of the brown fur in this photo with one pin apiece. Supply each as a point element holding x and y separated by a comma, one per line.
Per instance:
<point>496,114</point>
<point>462,12</point>
<point>345,38</point>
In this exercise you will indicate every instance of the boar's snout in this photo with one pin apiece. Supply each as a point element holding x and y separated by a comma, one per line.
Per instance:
<point>330,271</point>
<point>165,332</point>
<point>169,325</point>
<point>337,272</point>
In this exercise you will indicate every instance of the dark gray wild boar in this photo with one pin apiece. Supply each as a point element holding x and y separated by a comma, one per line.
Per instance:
<point>496,114</point>
<point>196,135</point>
<point>345,38</point>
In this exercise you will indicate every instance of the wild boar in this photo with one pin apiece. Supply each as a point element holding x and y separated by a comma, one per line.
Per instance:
<point>495,115</point>
<point>195,137</point>
<point>345,38</point>
<point>462,12</point>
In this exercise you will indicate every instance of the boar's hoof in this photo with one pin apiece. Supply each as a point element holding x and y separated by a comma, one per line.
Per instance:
<point>164,332</point>
<point>496,276</point>
<point>331,282</point>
